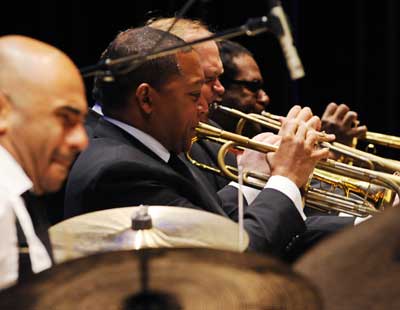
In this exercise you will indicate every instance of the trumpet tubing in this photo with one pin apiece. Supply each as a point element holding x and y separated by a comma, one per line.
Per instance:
<point>379,196</point>
<point>271,121</point>
<point>382,139</point>
<point>336,174</point>
<point>372,137</point>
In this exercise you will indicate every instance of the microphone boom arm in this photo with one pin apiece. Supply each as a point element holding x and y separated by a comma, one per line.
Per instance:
<point>109,67</point>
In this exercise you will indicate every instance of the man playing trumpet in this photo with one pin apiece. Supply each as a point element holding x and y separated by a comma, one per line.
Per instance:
<point>150,115</point>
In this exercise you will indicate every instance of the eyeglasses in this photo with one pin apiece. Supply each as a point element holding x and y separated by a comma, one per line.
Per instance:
<point>253,86</point>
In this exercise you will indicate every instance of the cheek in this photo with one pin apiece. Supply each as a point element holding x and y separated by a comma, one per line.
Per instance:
<point>246,99</point>
<point>207,93</point>
<point>39,142</point>
<point>53,147</point>
<point>189,119</point>
<point>52,144</point>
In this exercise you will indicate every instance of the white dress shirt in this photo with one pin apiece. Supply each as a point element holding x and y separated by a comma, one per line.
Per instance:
<point>13,183</point>
<point>280,183</point>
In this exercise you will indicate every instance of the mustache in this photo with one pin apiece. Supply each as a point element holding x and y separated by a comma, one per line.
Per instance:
<point>65,158</point>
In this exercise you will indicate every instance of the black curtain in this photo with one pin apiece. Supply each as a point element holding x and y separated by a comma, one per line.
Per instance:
<point>349,48</point>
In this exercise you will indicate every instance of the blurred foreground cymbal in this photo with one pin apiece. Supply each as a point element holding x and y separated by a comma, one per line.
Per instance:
<point>111,230</point>
<point>165,279</point>
<point>358,268</point>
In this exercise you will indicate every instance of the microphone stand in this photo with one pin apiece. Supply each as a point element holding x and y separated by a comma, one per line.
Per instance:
<point>109,67</point>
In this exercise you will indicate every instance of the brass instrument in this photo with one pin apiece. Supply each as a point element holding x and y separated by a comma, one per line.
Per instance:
<point>380,163</point>
<point>371,137</point>
<point>315,197</point>
<point>271,121</point>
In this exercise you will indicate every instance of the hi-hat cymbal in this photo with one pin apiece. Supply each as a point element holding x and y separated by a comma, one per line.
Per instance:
<point>110,230</point>
<point>165,279</point>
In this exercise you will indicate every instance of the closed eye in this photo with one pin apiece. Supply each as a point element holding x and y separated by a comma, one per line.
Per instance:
<point>210,79</point>
<point>70,117</point>
<point>195,96</point>
<point>67,119</point>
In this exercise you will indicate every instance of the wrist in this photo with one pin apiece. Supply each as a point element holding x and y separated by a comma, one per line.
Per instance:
<point>284,173</point>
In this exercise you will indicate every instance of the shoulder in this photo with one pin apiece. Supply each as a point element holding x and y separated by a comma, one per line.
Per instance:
<point>106,151</point>
<point>107,157</point>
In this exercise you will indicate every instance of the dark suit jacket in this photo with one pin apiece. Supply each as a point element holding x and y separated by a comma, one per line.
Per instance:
<point>206,152</point>
<point>117,170</point>
<point>91,121</point>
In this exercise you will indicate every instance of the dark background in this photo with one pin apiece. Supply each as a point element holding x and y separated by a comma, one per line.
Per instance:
<point>348,48</point>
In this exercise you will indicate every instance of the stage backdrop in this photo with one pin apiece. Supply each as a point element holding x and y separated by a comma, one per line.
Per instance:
<point>349,48</point>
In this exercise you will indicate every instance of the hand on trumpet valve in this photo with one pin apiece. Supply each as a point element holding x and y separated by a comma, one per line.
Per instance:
<point>300,115</point>
<point>297,154</point>
<point>339,120</point>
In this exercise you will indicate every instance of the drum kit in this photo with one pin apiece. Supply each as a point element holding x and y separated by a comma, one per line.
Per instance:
<point>159,258</point>
<point>162,257</point>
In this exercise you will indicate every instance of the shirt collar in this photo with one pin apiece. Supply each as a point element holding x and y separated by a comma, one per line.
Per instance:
<point>12,176</point>
<point>143,137</point>
<point>97,108</point>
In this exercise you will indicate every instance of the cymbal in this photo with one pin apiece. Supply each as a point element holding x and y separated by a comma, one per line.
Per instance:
<point>165,279</point>
<point>110,230</point>
<point>358,268</point>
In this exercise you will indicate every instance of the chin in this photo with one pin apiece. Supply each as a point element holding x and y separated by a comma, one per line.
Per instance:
<point>53,184</point>
<point>54,180</point>
<point>204,118</point>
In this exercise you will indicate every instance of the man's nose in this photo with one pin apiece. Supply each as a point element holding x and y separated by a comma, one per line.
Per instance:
<point>262,98</point>
<point>77,138</point>
<point>218,87</point>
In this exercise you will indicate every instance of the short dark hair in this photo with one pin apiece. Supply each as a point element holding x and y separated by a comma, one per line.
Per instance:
<point>156,72</point>
<point>228,51</point>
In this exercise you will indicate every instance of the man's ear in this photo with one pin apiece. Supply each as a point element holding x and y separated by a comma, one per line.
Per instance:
<point>5,109</point>
<point>144,93</point>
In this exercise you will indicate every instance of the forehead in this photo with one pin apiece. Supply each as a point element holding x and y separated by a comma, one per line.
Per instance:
<point>209,57</point>
<point>42,79</point>
<point>64,88</point>
<point>248,69</point>
<point>190,67</point>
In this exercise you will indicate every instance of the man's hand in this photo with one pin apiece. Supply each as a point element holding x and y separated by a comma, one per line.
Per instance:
<point>256,161</point>
<point>304,115</point>
<point>339,120</point>
<point>298,152</point>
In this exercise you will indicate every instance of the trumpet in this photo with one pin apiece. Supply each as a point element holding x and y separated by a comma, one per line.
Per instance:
<point>370,136</point>
<point>271,121</point>
<point>357,180</point>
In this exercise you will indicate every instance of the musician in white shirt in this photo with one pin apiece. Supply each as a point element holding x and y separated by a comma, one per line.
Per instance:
<point>42,108</point>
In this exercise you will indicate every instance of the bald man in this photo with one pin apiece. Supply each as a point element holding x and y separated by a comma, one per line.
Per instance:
<point>42,108</point>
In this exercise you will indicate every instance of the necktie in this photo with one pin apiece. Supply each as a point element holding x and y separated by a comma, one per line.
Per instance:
<point>24,262</point>
<point>179,166</point>
<point>37,213</point>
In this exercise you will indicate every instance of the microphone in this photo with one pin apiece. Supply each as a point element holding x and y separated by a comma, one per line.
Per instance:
<point>280,27</point>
